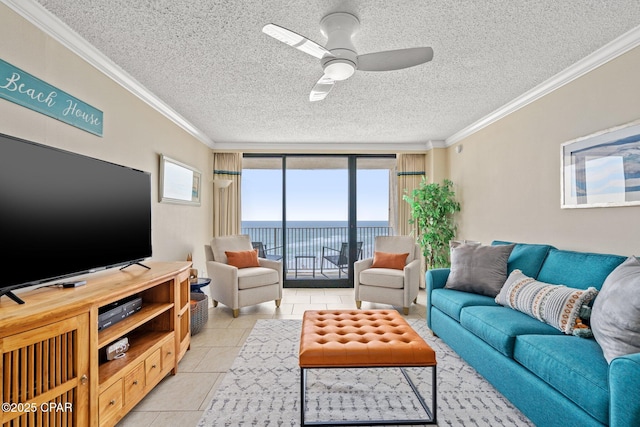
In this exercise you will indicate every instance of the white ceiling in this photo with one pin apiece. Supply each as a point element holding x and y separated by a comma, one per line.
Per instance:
<point>237,88</point>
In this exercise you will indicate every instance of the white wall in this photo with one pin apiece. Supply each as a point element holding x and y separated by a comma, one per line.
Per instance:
<point>508,175</point>
<point>134,133</point>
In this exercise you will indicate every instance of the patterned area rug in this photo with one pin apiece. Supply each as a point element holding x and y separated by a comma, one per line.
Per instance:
<point>262,388</point>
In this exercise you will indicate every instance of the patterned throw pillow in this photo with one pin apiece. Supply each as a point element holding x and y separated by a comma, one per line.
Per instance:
<point>555,305</point>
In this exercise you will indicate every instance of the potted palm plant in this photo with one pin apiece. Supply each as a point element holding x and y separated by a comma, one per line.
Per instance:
<point>432,209</point>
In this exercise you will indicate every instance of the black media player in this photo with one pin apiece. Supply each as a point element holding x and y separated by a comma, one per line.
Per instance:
<point>113,313</point>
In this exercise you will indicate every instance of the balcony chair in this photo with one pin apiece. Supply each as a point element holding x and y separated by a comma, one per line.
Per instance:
<point>262,251</point>
<point>387,278</point>
<point>239,278</point>
<point>339,258</point>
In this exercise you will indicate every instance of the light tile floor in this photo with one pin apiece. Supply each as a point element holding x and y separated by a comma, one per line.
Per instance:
<point>181,399</point>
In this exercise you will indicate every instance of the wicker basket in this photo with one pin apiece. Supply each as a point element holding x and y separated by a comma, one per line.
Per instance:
<point>199,311</point>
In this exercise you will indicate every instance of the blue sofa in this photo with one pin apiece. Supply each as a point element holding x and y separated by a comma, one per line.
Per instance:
<point>553,378</point>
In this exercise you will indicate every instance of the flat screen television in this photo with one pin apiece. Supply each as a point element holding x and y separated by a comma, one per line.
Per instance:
<point>63,214</point>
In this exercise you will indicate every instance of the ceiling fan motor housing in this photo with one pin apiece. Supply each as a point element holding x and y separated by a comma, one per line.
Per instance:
<point>339,28</point>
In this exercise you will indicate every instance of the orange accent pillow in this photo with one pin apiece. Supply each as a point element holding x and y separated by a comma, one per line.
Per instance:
<point>243,259</point>
<point>387,260</point>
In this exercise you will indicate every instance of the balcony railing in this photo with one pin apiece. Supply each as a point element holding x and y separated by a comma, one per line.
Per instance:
<point>308,242</point>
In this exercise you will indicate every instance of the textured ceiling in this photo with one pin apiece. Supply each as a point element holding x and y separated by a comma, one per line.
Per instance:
<point>210,62</point>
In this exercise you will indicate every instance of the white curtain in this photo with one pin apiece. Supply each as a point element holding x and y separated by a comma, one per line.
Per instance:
<point>227,173</point>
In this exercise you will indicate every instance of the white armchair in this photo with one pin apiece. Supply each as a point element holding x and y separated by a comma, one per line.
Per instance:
<point>398,287</point>
<point>241,287</point>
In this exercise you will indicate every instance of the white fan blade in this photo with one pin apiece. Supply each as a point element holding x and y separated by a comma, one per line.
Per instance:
<point>394,59</point>
<point>295,40</point>
<point>321,89</point>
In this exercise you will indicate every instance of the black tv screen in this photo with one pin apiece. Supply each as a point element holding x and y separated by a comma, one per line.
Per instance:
<point>64,214</point>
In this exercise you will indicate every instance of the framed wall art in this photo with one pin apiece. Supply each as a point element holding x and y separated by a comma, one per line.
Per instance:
<point>602,169</point>
<point>179,183</point>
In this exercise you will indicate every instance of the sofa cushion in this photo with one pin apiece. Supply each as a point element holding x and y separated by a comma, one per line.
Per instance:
<point>499,326</point>
<point>578,269</point>
<point>556,305</point>
<point>452,302</point>
<point>383,277</point>
<point>526,257</point>
<point>254,277</point>
<point>573,366</point>
<point>615,318</point>
<point>478,269</point>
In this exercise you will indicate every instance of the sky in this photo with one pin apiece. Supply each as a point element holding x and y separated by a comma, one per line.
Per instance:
<point>314,195</point>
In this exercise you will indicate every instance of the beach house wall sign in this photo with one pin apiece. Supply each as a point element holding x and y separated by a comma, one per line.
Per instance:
<point>28,91</point>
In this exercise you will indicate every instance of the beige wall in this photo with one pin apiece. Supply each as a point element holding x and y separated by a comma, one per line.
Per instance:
<point>508,175</point>
<point>134,133</point>
<point>437,165</point>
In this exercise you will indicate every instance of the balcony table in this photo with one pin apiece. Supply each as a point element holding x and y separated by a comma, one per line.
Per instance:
<point>313,257</point>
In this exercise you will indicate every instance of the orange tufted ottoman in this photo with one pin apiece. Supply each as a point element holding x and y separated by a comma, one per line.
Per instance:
<point>363,339</point>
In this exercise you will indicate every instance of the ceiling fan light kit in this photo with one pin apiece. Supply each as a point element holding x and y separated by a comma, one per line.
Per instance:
<point>339,58</point>
<point>339,69</point>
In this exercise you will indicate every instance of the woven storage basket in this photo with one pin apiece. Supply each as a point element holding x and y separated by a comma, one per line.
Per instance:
<point>199,311</point>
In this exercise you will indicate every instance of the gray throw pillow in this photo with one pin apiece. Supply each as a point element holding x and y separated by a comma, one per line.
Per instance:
<point>478,269</point>
<point>615,317</point>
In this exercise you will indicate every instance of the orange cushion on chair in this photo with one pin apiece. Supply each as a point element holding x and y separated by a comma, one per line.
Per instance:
<point>387,260</point>
<point>243,259</point>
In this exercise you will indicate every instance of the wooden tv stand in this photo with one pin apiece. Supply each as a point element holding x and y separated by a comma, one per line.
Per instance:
<point>51,362</point>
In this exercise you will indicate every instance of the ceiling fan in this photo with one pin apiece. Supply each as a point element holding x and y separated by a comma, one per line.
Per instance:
<point>339,58</point>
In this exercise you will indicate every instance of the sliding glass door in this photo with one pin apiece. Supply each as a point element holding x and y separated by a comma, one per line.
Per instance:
<point>329,209</point>
<point>376,200</point>
<point>317,219</point>
<point>262,203</point>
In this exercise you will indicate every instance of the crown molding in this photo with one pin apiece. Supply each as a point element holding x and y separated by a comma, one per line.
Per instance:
<point>439,143</point>
<point>327,147</point>
<point>37,15</point>
<point>608,52</point>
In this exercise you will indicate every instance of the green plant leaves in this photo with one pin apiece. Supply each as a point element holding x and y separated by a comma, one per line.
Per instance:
<point>432,209</point>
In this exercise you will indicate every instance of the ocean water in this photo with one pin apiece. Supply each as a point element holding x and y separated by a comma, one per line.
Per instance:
<point>315,238</point>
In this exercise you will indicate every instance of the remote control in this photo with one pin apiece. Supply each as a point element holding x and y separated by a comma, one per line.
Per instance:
<point>73,284</point>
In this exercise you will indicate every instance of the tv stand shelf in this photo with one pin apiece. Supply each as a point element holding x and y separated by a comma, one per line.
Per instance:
<point>51,349</point>
<point>112,368</point>
<point>146,313</point>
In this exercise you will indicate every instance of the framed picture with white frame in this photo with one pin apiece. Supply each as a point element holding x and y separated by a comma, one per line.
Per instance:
<point>179,183</point>
<point>602,169</point>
